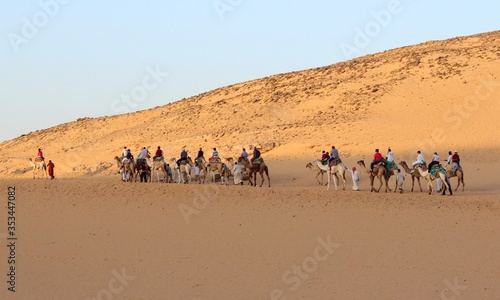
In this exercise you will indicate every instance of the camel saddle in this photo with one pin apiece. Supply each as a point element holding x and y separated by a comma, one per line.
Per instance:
<point>435,169</point>
<point>257,161</point>
<point>334,162</point>
<point>39,159</point>
<point>159,158</point>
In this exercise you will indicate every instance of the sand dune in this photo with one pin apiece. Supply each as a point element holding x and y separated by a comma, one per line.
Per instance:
<point>87,235</point>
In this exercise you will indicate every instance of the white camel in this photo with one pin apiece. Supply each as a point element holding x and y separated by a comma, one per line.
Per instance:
<point>314,168</point>
<point>184,171</point>
<point>38,166</point>
<point>428,176</point>
<point>156,166</point>
<point>337,171</point>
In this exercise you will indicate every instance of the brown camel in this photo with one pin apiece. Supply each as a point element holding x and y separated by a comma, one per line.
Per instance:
<point>388,173</point>
<point>459,175</point>
<point>414,174</point>
<point>378,171</point>
<point>253,169</point>
<point>125,166</point>
<point>39,166</point>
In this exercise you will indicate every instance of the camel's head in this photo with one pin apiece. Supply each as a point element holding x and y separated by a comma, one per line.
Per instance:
<point>361,163</point>
<point>309,165</point>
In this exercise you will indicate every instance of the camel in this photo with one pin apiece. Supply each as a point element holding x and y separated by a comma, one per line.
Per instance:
<point>184,171</point>
<point>459,175</point>
<point>414,174</point>
<point>393,170</point>
<point>444,177</point>
<point>202,164</point>
<point>253,169</point>
<point>337,171</point>
<point>39,166</point>
<point>125,167</point>
<point>315,168</point>
<point>213,168</point>
<point>156,166</point>
<point>379,172</point>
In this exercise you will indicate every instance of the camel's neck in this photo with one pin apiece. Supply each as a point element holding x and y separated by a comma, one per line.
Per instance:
<point>321,167</point>
<point>405,166</point>
<point>364,168</point>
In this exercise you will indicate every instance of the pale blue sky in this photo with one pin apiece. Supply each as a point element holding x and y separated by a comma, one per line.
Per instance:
<point>67,59</point>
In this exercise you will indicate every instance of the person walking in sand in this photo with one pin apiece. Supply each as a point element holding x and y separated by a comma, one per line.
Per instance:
<point>50,169</point>
<point>400,178</point>
<point>197,173</point>
<point>237,171</point>
<point>355,179</point>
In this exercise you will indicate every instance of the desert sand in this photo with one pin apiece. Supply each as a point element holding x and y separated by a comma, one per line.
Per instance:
<point>88,235</point>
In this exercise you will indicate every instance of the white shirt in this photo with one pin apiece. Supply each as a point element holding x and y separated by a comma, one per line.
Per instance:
<point>435,157</point>
<point>390,156</point>
<point>196,170</point>
<point>142,154</point>
<point>125,151</point>
<point>400,177</point>
<point>355,175</point>
<point>420,157</point>
<point>449,159</point>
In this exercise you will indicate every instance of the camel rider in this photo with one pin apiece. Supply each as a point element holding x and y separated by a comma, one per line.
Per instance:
<point>435,161</point>
<point>158,154</point>
<point>420,160</point>
<point>129,155</point>
<point>377,158</point>
<point>450,157</point>
<point>390,155</point>
<point>124,152</point>
<point>256,154</point>
<point>244,154</point>
<point>142,154</point>
<point>184,156</point>
<point>455,159</point>
<point>334,156</point>
<point>215,155</point>
<point>324,157</point>
<point>200,153</point>
<point>40,155</point>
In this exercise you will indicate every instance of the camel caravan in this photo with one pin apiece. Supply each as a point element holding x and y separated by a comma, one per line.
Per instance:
<point>382,168</point>
<point>185,170</point>
<point>147,168</point>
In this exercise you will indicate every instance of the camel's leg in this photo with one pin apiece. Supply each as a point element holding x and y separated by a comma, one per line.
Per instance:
<point>381,183</point>
<point>268,179</point>
<point>412,182</point>
<point>344,181</point>
<point>429,186</point>
<point>328,174</point>
<point>319,182</point>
